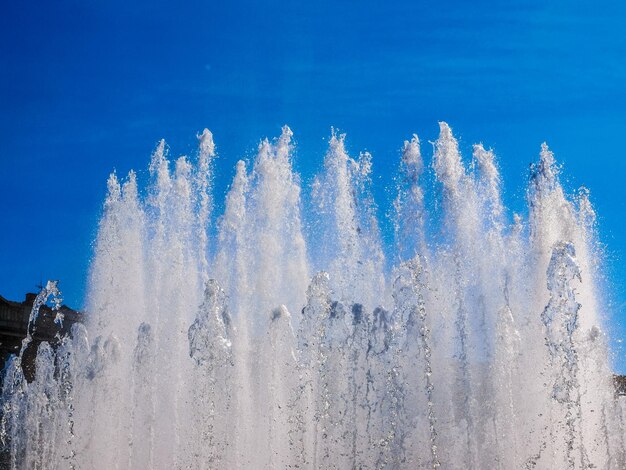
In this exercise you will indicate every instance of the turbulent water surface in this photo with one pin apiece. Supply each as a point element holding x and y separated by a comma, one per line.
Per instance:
<point>477,343</point>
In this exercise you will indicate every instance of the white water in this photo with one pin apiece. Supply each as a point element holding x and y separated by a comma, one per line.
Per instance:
<point>267,347</point>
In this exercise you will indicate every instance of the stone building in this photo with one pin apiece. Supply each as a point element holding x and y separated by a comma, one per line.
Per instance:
<point>14,318</point>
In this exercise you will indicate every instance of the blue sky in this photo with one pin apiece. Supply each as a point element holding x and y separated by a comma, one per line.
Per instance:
<point>89,86</point>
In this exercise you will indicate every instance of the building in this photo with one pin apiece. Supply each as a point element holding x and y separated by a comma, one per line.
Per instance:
<point>14,317</point>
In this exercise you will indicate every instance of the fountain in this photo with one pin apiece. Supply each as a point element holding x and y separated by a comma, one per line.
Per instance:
<point>477,344</point>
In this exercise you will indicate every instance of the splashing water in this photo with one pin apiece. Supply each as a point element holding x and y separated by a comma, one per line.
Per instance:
<point>268,347</point>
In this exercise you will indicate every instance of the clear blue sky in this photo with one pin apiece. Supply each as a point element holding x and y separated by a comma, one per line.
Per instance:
<point>87,86</point>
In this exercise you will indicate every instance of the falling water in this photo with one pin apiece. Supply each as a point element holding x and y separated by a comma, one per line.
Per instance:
<point>478,344</point>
